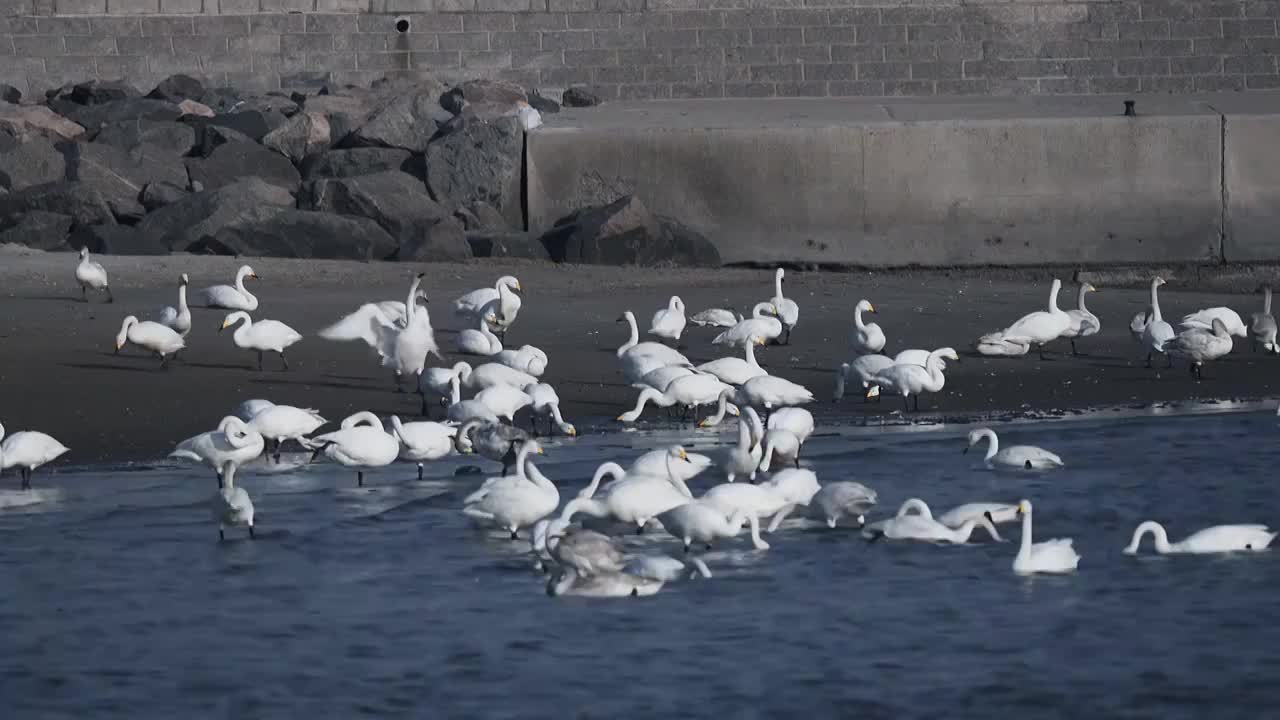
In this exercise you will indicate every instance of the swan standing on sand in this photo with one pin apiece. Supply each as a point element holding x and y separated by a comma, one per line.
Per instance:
<point>232,506</point>
<point>150,336</point>
<point>546,404</point>
<point>91,275</point>
<point>230,297</point>
<point>405,350</point>
<point>1040,328</point>
<point>1197,346</point>
<point>361,443</point>
<point>841,499</point>
<point>28,450</point>
<point>668,323</point>
<point>1157,332</point>
<point>716,317</point>
<point>1203,319</point>
<point>1020,457</point>
<point>1049,556</point>
<point>286,422</point>
<point>763,323</point>
<point>423,441</point>
<point>912,380</point>
<point>787,310</point>
<point>178,318</point>
<point>1262,325</point>
<point>479,341</point>
<point>736,371</point>
<point>499,304</point>
<point>262,336</point>
<point>1216,539</point>
<point>867,338</point>
<point>1083,323</point>
<point>702,523</point>
<point>232,442</point>
<point>515,505</point>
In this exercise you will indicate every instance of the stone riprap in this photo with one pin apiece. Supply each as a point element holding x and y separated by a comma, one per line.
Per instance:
<point>643,49</point>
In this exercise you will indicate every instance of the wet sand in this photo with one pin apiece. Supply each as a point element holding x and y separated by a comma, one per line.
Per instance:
<point>58,372</point>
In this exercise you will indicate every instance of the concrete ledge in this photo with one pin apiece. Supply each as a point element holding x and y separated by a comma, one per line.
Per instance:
<point>892,183</point>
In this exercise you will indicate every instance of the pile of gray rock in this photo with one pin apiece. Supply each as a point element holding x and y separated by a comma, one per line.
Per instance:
<point>407,169</point>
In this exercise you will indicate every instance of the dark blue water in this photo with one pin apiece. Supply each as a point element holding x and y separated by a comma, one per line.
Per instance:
<point>119,602</point>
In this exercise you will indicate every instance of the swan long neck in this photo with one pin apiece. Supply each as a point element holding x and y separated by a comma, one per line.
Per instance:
<point>363,417</point>
<point>1025,548</point>
<point>1155,302</point>
<point>750,352</point>
<point>1053,296</point>
<point>1266,301</point>
<point>993,444</point>
<point>745,435</point>
<point>535,476</point>
<point>635,333</point>
<point>397,425</point>
<point>461,435</point>
<point>455,392</point>
<point>228,476</point>
<point>756,540</point>
<point>722,407</point>
<point>676,481</point>
<point>759,310</point>
<point>645,396</point>
<point>240,276</point>
<point>610,469</point>
<point>1157,530</point>
<point>933,366</point>
<point>411,304</point>
<point>915,504</point>
<point>857,317</point>
<point>182,299</point>
<point>777,283</point>
<point>1080,299</point>
<point>590,506</point>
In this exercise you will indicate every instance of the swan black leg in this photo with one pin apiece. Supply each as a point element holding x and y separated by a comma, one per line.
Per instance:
<point>220,481</point>
<point>284,360</point>
<point>251,535</point>
<point>84,294</point>
<point>906,404</point>
<point>1148,359</point>
<point>1073,347</point>
<point>221,536</point>
<point>419,471</point>
<point>26,478</point>
<point>259,361</point>
<point>515,534</point>
<point>426,409</point>
<point>359,478</point>
<point>1170,359</point>
<point>110,298</point>
<point>917,401</point>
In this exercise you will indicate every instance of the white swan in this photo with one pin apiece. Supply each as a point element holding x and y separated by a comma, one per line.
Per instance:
<point>363,324</point>
<point>286,422</point>
<point>1156,332</point>
<point>635,499</point>
<point>178,318</point>
<point>462,411</point>
<point>841,499</point>
<point>770,392</point>
<point>997,345</point>
<point>231,506</point>
<point>423,441</point>
<point>865,368</point>
<point>774,498</point>
<point>660,463</point>
<point>91,275</point>
<point>232,442</point>
<point>633,346</point>
<point>669,322</point>
<point>702,523</point>
<point>1203,319</point>
<point>716,317</point>
<point>1216,539</point>
<point>602,585</point>
<point>499,304</point>
<point>514,506</point>
<point>436,383</point>
<point>690,391</point>
<point>490,439</point>
<point>763,323</point>
<point>1040,328</point>
<point>787,310</point>
<point>666,568</point>
<point>908,379</point>
<point>546,404</point>
<point>661,378</point>
<point>780,446</point>
<point>1082,322</point>
<point>921,526</point>
<point>361,443</point>
<point>152,336</point>
<point>405,350</point>
<point>1049,556</point>
<point>492,374</point>
<point>1020,457</point>
<point>527,358</point>
<point>261,336</point>
<point>249,409</point>
<point>744,457</point>
<point>736,371</point>
<point>586,551</point>
<point>1138,324</point>
<point>995,512</point>
<point>28,450</point>
<point>481,341</point>
<point>1262,325</point>
<point>504,400</point>
<point>867,338</point>
<point>1198,346</point>
<point>230,297</point>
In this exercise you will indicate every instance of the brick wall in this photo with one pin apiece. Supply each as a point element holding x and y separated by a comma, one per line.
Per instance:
<point>658,48</point>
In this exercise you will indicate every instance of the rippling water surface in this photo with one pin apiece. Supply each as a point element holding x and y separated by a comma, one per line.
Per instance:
<point>119,601</point>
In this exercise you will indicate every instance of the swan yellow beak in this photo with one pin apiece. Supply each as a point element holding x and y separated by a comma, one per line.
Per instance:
<point>519,286</point>
<point>620,419</point>
<point>702,422</point>
<point>223,326</point>
<point>253,275</point>
<point>541,451</point>
<point>119,346</point>
<point>684,455</point>
<point>871,308</point>
<point>758,340</point>
<point>1091,288</point>
<point>572,431</point>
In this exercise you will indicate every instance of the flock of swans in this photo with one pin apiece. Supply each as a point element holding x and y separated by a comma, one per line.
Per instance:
<point>576,540</point>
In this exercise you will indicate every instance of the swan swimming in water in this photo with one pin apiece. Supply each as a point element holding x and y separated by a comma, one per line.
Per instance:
<point>361,443</point>
<point>997,513</point>
<point>492,440</point>
<point>636,499</point>
<point>787,310</point>
<point>91,275</point>
<point>867,338</point>
<point>28,450</point>
<point>153,336</point>
<point>602,585</point>
<point>262,336</point>
<point>1021,457</point>
<point>1049,556</point>
<point>178,318</point>
<point>286,422</point>
<point>774,498</point>
<point>514,505</point>
<point>1216,539</point>
<point>1083,323</point>
<point>229,297</point>
<point>669,322</point>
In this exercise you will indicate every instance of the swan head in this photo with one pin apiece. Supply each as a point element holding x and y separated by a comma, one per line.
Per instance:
<point>182,280</point>
<point>1024,507</point>
<point>123,335</point>
<point>232,319</point>
<point>569,430</point>
<point>1157,281</point>
<point>976,436</point>
<point>84,253</point>
<point>247,272</point>
<point>510,282</point>
<point>757,340</point>
<point>866,306</point>
<point>1088,287</point>
<point>627,316</point>
<point>676,303</point>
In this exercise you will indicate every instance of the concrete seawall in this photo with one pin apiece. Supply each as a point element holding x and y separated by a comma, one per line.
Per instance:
<point>1190,179</point>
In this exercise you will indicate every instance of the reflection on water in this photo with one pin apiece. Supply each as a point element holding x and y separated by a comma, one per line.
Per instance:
<point>120,602</point>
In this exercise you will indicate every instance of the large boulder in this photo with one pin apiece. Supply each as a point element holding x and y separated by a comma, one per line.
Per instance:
<point>624,232</point>
<point>300,136</point>
<point>234,161</point>
<point>253,123</point>
<point>161,194</point>
<point>302,234</point>
<point>177,88</point>
<point>579,97</point>
<point>28,161</point>
<point>94,117</point>
<point>83,204</point>
<point>507,244</point>
<point>37,229</point>
<point>98,92</point>
<point>173,137</point>
<point>482,162</point>
<point>408,121</point>
<point>488,99</point>
<point>10,94</point>
<point>196,108</point>
<point>400,205</point>
<point>209,137</point>
<point>120,174</point>
<point>115,240</point>
<point>361,161</point>
<point>27,119</point>
<point>245,201</point>
<point>344,112</point>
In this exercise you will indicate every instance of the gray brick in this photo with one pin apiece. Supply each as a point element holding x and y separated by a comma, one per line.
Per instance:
<point>1143,66</point>
<point>959,51</point>
<point>627,6</point>
<point>565,76</point>
<point>801,89</point>
<point>749,90</point>
<point>1265,46</point>
<point>644,91</point>
<point>149,46</point>
<point>907,16</point>
<point>274,24</point>
<point>474,41</point>
<point>761,55</point>
<point>181,7</point>
<point>38,45</point>
<point>62,26</point>
<point>206,46</point>
<point>937,71</point>
<point>486,59</point>
<point>1262,8</point>
<point>593,58</point>
<point>1089,68</point>
<point>278,63</point>
<point>257,82</point>
<point>571,5</point>
<point>114,25</point>
<point>342,6</point>
<point>1113,12</point>
<point>513,6</point>
<point>567,40</point>
<point>75,67</point>
<point>994,50</point>
<point>671,38</point>
<point>524,78</point>
<point>621,74</point>
<point>221,24</point>
<point>1159,48</point>
<point>910,53</point>
<point>332,24</point>
<point>1219,83</point>
<point>882,33</point>
<point>1111,85</point>
<point>133,7</point>
<point>696,56</point>
<point>1144,30</point>
<point>1196,29</point>
<point>541,21</point>
<point>998,69</point>
<point>254,44</point>
<point>593,21</point>
<point>643,56</point>
<point>1249,65</point>
<point>697,19</point>
<point>645,21</point>
<point>856,16</point>
<point>960,87</point>
<point>306,43</point>
<point>1012,87</point>
<point>724,74</point>
<point>1249,28</point>
<point>172,64</point>
<point>697,90</point>
<point>669,74</point>
<point>162,26</point>
<point>455,6</point>
<point>1221,46</point>
<point>91,45</point>
<point>1070,13</point>
<point>539,59</point>
<point>830,35</point>
<point>763,17</point>
<point>332,61</point>
<point>428,59</point>
<point>488,21</point>
<point>1195,65</point>
<point>373,42</point>
<point>1064,49</point>
<point>803,18</point>
<point>515,40</point>
<point>884,71</point>
<point>1064,86</point>
<point>932,33</point>
<point>859,88</point>
<point>418,23</point>
<point>390,41</point>
<point>830,71</point>
<point>857,53</point>
<point>119,67</point>
<point>804,53</point>
<point>617,38</point>
<point>382,61</point>
<point>1167,10</point>
<point>285,6</point>
<point>1262,82</point>
<point>908,88</point>
<point>775,73</point>
<point>73,7</point>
